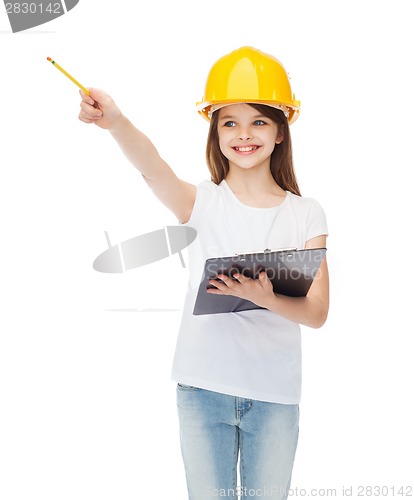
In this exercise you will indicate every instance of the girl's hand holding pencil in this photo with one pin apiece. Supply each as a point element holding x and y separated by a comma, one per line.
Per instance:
<point>99,108</point>
<point>96,106</point>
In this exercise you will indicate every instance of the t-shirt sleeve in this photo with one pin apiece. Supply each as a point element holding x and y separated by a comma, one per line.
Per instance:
<point>316,224</point>
<point>203,197</point>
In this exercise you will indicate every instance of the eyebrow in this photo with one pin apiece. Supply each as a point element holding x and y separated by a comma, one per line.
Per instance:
<point>227,117</point>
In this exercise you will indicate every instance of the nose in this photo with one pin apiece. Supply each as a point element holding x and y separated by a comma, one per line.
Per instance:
<point>245,134</point>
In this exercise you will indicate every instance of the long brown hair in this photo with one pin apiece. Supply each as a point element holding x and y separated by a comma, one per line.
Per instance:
<point>281,160</point>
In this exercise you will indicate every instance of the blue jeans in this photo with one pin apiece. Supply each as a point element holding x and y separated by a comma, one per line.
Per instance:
<point>215,428</point>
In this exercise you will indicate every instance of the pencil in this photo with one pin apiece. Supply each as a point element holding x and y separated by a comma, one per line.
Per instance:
<point>56,65</point>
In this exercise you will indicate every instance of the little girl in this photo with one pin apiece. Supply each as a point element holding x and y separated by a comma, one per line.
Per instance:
<point>238,374</point>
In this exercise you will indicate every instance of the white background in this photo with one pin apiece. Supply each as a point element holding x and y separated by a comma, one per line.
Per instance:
<point>87,404</point>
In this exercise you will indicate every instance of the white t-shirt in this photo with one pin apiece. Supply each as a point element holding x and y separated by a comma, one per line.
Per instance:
<point>254,354</point>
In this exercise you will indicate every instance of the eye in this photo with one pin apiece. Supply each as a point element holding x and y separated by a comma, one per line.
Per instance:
<point>259,122</point>
<point>230,124</point>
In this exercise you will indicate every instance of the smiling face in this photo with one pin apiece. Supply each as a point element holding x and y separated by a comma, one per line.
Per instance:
<point>246,137</point>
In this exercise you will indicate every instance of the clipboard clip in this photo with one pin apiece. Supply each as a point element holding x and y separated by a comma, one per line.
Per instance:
<point>242,255</point>
<point>266,250</point>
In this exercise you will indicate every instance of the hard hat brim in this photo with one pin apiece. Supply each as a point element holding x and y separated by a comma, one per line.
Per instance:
<point>206,109</point>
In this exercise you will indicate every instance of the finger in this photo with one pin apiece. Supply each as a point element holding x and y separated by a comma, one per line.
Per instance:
<point>218,284</point>
<point>240,277</point>
<point>215,291</point>
<point>219,288</point>
<point>265,280</point>
<point>89,110</point>
<point>228,280</point>
<point>101,98</point>
<point>86,120</point>
<point>86,98</point>
<point>262,275</point>
<point>221,283</point>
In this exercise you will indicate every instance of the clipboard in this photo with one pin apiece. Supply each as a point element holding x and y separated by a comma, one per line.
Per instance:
<point>291,272</point>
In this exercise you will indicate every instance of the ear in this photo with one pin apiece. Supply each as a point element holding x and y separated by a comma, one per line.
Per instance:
<point>280,136</point>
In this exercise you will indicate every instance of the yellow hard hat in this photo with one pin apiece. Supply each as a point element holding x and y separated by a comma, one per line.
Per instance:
<point>248,75</point>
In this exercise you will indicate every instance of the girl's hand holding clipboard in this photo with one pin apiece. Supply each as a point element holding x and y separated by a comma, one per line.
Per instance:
<point>258,291</point>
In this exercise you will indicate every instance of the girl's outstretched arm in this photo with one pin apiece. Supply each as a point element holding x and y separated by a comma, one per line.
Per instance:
<point>174,193</point>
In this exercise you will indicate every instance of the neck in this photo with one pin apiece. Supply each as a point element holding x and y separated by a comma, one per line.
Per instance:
<point>252,181</point>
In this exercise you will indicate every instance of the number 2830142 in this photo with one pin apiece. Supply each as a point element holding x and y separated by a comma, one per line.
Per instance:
<point>33,8</point>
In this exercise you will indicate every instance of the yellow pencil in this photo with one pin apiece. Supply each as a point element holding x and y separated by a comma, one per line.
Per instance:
<point>56,65</point>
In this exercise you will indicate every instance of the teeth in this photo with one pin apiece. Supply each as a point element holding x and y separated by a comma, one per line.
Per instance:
<point>246,149</point>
